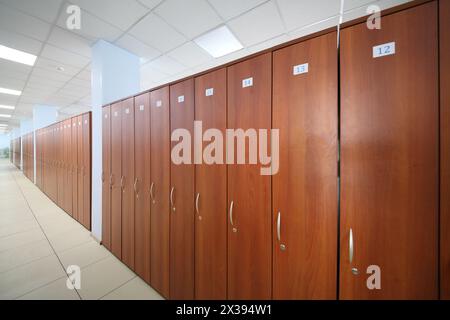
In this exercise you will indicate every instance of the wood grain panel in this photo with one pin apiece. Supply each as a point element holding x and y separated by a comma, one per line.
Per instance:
<point>87,170</point>
<point>73,166</point>
<point>444,31</point>
<point>128,181</point>
<point>106,177</point>
<point>305,187</point>
<point>160,175</point>
<point>211,190</point>
<point>143,182</point>
<point>250,247</point>
<point>78,162</point>
<point>182,211</point>
<point>116,170</point>
<point>389,169</point>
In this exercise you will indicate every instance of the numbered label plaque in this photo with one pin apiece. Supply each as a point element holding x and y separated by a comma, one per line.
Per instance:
<point>383,50</point>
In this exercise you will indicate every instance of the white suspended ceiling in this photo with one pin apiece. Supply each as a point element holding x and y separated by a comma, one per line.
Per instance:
<point>160,32</point>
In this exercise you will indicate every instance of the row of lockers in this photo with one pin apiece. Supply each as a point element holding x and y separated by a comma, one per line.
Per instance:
<point>63,165</point>
<point>28,155</point>
<point>353,211</point>
<point>15,152</point>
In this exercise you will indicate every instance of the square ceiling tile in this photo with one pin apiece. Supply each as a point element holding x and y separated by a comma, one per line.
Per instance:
<point>167,65</point>
<point>18,22</point>
<point>231,8</point>
<point>150,3</point>
<point>43,9</point>
<point>92,27</point>
<point>51,65</point>
<point>37,81</point>
<point>8,82</point>
<point>153,31</point>
<point>63,56</point>
<point>119,13</point>
<point>191,18</point>
<point>69,41</point>
<point>20,42</point>
<point>190,55</point>
<point>80,83</point>
<point>85,74</point>
<point>258,25</point>
<point>51,75</point>
<point>137,47</point>
<point>298,14</point>
<point>8,99</point>
<point>150,75</point>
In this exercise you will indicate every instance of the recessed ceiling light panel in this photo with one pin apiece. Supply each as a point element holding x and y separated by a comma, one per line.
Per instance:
<point>5,115</point>
<point>10,91</point>
<point>219,42</point>
<point>7,107</point>
<point>17,56</point>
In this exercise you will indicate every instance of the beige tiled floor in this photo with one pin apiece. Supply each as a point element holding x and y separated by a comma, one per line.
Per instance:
<point>38,241</point>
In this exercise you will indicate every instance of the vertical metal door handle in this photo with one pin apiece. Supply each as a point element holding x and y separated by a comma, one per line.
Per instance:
<point>121,183</point>
<point>231,213</point>
<point>151,192</point>
<point>171,198</point>
<point>196,203</point>
<point>350,246</point>
<point>111,180</point>
<point>135,185</point>
<point>279,226</point>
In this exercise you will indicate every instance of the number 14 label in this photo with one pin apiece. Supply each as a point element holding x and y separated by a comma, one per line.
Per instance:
<point>382,50</point>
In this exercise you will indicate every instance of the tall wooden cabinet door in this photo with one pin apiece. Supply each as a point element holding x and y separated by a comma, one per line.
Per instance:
<point>69,191</point>
<point>71,195</point>
<point>211,192</point>
<point>249,192</point>
<point>182,196</point>
<point>87,170</point>
<point>78,162</point>
<point>305,186</point>
<point>128,182</point>
<point>160,175</point>
<point>444,32</point>
<point>106,177</point>
<point>59,150</point>
<point>389,168</point>
<point>142,185</point>
<point>116,174</point>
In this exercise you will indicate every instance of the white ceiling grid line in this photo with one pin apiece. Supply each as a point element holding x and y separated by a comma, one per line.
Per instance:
<point>160,32</point>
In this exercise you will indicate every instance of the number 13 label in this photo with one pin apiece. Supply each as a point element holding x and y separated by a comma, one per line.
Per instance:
<point>382,50</point>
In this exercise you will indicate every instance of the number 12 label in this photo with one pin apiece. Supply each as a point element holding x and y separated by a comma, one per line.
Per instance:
<point>383,50</point>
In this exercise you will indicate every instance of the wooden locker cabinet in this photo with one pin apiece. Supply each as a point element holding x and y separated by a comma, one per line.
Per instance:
<point>160,176</point>
<point>106,177</point>
<point>389,157</point>
<point>68,148</point>
<point>128,182</point>
<point>249,193</point>
<point>59,151</point>
<point>86,219</point>
<point>182,197</point>
<point>305,187</point>
<point>77,134</point>
<point>211,193</point>
<point>74,166</point>
<point>142,185</point>
<point>116,174</point>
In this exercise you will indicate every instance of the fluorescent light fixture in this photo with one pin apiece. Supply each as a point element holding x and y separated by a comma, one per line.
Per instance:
<point>5,115</point>
<point>17,56</point>
<point>219,42</point>
<point>7,107</point>
<point>3,125</point>
<point>10,91</point>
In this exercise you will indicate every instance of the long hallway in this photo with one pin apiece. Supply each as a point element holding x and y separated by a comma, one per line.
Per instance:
<point>38,241</point>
